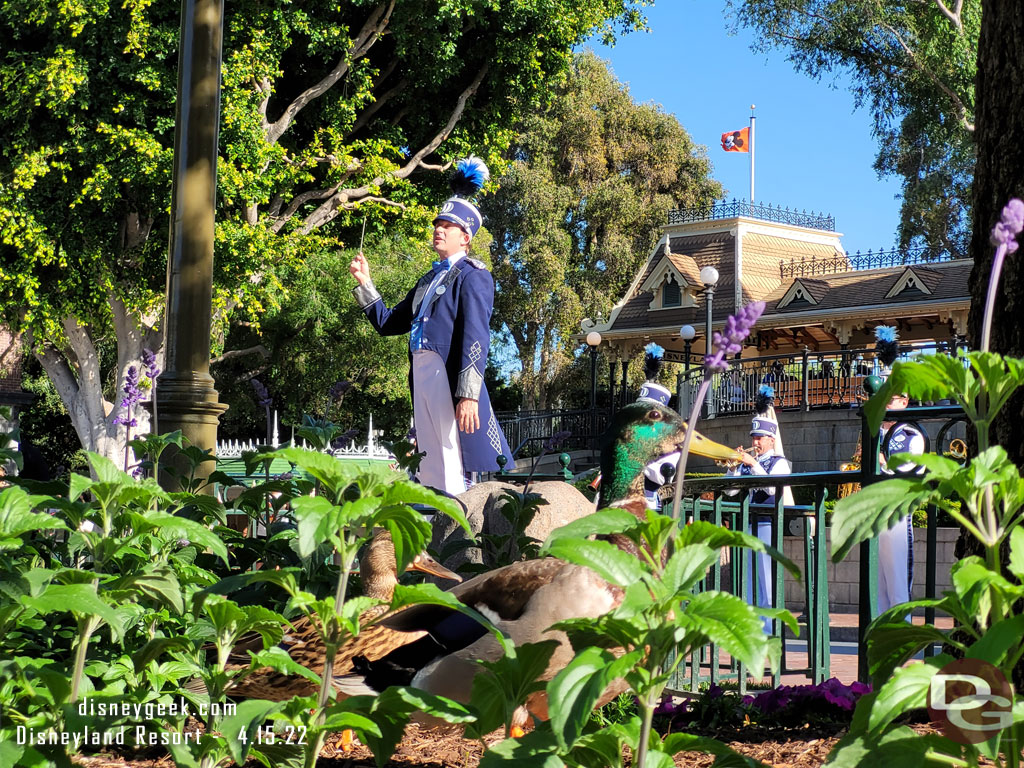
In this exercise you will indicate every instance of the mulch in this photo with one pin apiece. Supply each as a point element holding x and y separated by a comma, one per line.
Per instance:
<point>421,748</point>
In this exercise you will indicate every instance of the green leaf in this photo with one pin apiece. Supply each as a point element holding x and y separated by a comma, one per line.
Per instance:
<point>431,594</point>
<point>505,685</point>
<point>407,492</point>
<point>608,520</point>
<point>688,565</point>
<point>173,526</point>
<point>17,517</point>
<point>1001,640</point>
<point>605,559</point>
<point>574,691</point>
<point>80,599</point>
<point>891,645</point>
<point>277,658</point>
<point>727,621</point>
<point>907,689</point>
<point>409,531</point>
<point>900,746</point>
<point>1016,564</point>
<point>315,516</point>
<point>536,749</point>
<point>248,716</point>
<point>159,582</point>
<point>874,509</point>
<point>674,743</point>
<point>155,648</point>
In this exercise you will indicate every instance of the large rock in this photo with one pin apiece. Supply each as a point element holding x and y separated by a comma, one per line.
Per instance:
<point>484,511</point>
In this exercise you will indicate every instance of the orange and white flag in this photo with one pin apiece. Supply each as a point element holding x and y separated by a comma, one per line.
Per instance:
<point>736,141</point>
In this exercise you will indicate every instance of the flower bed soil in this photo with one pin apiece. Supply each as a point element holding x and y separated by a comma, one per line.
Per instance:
<point>787,748</point>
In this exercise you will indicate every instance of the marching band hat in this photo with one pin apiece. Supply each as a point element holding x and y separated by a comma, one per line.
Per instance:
<point>764,426</point>
<point>470,175</point>
<point>654,355</point>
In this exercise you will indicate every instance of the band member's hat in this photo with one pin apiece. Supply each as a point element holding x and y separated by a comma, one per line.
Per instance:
<point>655,392</point>
<point>469,177</point>
<point>461,212</point>
<point>764,426</point>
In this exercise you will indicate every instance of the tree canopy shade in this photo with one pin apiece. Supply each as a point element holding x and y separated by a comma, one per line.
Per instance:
<point>590,181</point>
<point>331,113</point>
<point>913,66</point>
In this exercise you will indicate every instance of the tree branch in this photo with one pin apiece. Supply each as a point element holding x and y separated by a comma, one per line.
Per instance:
<point>329,209</point>
<point>297,202</point>
<point>371,110</point>
<point>953,15</point>
<point>259,348</point>
<point>368,35</point>
<point>957,103</point>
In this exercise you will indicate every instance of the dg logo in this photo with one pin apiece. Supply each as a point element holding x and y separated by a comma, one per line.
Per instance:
<point>971,700</point>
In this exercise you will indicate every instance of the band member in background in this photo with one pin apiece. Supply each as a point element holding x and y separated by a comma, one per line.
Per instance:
<point>447,316</point>
<point>896,545</point>
<point>765,460</point>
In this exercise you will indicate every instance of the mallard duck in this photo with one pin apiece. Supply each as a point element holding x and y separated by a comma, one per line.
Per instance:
<point>523,599</point>
<point>378,570</point>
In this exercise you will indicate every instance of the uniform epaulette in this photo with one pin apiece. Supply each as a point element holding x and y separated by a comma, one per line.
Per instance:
<point>476,263</point>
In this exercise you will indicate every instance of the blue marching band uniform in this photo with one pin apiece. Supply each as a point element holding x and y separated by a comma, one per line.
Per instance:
<point>447,316</point>
<point>896,545</point>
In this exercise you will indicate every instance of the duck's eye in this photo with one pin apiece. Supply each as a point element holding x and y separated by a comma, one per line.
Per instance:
<point>654,415</point>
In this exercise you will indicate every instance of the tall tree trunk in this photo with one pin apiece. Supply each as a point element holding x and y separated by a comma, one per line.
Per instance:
<point>999,134</point>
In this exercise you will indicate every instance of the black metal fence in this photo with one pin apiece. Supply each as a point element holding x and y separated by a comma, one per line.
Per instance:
<point>527,431</point>
<point>730,210</point>
<point>831,265</point>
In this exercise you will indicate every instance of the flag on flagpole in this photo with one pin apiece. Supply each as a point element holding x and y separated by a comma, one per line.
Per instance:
<point>736,141</point>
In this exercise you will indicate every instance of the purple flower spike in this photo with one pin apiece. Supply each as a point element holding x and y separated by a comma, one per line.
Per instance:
<point>730,341</point>
<point>555,441</point>
<point>263,398</point>
<point>149,364</point>
<point>339,388</point>
<point>1010,225</point>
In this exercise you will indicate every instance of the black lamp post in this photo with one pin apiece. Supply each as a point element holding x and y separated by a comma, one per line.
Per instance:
<point>687,334</point>
<point>708,276</point>
<point>593,341</point>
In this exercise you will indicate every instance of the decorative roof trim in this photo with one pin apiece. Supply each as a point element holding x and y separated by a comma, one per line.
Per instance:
<point>909,279</point>
<point>796,291</point>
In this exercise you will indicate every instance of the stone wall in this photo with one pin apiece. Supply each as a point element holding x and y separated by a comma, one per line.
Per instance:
<point>844,577</point>
<point>814,441</point>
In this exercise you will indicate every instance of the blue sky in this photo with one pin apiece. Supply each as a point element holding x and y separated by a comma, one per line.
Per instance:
<point>813,150</point>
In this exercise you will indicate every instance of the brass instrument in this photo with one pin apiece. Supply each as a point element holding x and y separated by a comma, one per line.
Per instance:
<point>958,449</point>
<point>733,463</point>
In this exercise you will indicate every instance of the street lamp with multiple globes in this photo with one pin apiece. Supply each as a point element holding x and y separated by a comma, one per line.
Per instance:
<point>708,276</point>
<point>593,341</point>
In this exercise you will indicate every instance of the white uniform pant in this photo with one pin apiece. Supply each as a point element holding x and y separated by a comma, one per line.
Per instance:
<point>894,564</point>
<point>437,434</point>
<point>762,563</point>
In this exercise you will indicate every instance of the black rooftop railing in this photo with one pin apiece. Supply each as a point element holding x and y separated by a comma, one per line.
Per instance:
<point>831,265</point>
<point>730,210</point>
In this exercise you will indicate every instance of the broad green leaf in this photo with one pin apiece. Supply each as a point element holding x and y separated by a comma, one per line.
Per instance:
<point>605,559</point>
<point>430,594</point>
<point>974,584</point>
<point>155,648</point>
<point>407,492</point>
<point>248,716</point>
<point>333,474</point>
<point>907,689</point>
<point>688,565</point>
<point>900,746</point>
<point>929,377</point>
<point>17,517</point>
<point>574,691</point>
<point>536,749</point>
<point>315,516</point>
<point>506,683</point>
<point>999,640</point>
<point>608,520</point>
<point>277,658</point>
<point>872,510</point>
<point>183,528</point>
<point>892,645</point>
<point>1016,563</point>
<point>410,532</point>
<point>80,599</point>
<point>674,743</point>
<point>158,582</point>
<point>339,720</point>
<point>727,621</point>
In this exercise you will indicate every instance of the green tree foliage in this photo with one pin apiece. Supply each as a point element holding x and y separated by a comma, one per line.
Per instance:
<point>590,181</point>
<point>913,65</point>
<point>330,112</point>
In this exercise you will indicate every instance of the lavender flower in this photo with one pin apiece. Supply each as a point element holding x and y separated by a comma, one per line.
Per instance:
<point>132,396</point>
<point>149,364</point>
<point>1010,225</point>
<point>737,329</point>
<point>554,442</point>
<point>1004,237</point>
<point>263,398</point>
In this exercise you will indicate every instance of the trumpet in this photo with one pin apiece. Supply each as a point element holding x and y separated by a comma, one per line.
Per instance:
<point>733,463</point>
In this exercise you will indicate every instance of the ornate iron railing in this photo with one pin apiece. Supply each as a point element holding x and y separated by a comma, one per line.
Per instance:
<point>831,265</point>
<point>526,431</point>
<point>730,210</point>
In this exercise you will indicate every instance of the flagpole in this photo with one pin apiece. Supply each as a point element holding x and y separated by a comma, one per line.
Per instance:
<point>752,118</point>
